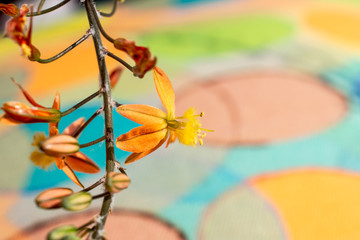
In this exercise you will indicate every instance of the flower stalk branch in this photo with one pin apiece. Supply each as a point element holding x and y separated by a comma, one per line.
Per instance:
<point>110,14</point>
<point>78,131</point>
<point>84,145</point>
<point>38,13</point>
<point>89,98</point>
<point>68,49</point>
<point>125,64</point>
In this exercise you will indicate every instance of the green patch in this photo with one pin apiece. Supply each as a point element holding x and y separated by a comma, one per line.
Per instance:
<point>246,33</point>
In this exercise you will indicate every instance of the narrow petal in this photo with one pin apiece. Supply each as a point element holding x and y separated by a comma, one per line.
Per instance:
<point>115,76</point>
<point>142,138</point>
<point>172,138</point>
<point>165,91</point>
<point>7,120</point>
<point>81,163</point>
<point>142,114</point>
<point>73,127</point>
<point>136,156</point>
<point>10,9</point>
<point>56,103</point>
<point>27,95</point>
<point>70,173</point>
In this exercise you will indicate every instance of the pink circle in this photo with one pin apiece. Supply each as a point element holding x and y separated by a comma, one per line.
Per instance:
<point>263,106</point>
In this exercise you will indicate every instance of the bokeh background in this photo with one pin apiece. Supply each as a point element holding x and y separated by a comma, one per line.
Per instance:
<point>278,81</point>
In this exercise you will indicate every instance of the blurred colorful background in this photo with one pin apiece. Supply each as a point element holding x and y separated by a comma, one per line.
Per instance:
<point>278,81</point>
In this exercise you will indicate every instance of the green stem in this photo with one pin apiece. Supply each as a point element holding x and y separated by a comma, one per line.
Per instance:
<point>78,132</point>
<point>71,47</point>
<point>49,9</point>
<point>96,18</point>
<point>119,60</point>
<point>112,10</point>
<point>84,145</point>
<point>92,96</point>
<point>107,100</point>
<point>100,181</point>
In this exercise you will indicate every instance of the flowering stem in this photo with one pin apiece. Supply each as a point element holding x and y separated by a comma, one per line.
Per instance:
<point>100,181</point>
<point>77,133</point>
<point>119,60</point>
<point>112,10</point>
<point>94,11</point>
<point>71,47</point>
<point>101,195</point>
<point>92,142</point>
<point>49,9</point>
<point>107,100</point>
<point>94,95</point>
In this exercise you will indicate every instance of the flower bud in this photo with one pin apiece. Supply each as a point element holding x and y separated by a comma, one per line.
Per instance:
<point>116,182</point>
<point>59,145</point>
<point>51,198</point>
<point>77,201</point>
<point>23,113</point>
<point>67,232</point>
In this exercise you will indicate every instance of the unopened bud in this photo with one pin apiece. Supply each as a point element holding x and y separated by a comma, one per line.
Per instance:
<point>59,145</point>
<point>51,198</point>
<point>116,182</point>
<point>77,201</point>
<point>25,114</point>
<point>67,232</point>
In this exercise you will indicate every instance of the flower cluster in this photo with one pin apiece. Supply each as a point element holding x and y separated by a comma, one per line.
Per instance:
<point>63,148</point>
<point>17,30</point>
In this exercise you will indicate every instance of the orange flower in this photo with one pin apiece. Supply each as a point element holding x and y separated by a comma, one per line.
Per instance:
<point>16,29</point>
<point>17,112</point>
<point>66,162</point>
<point>158,126</point>
<point>140,55</point>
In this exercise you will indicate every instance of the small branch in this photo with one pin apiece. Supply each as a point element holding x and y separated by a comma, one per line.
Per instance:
<point>86,224</point>
<point>116,104</point>
<point>112,10</point>
<point>92,142</point>
<point>101,195</point>
<point>49,9</point>
<point>119,60</point>
<point>100,181</point>
<point>95,14</point>
<point>94,95</point>
<point>77,133</point>
<point>71,47</point>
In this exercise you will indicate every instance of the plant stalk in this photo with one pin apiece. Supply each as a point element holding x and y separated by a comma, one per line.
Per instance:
<point>107,99</point>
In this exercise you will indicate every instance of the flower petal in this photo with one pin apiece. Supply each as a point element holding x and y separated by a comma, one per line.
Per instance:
<point>115,76</point>
<point>70,173</point>
<point>7,120</point>
<point>165,91</point>
<point>51,198</point>
<point>172,138</point>
<point>10,9</point>
<point>27,95</point>
<point>74,126</point>
<point>136,156</point>
<point>56,103</point>
<point>142,114</point>
<point>142,138</point>
<point>81,163</point>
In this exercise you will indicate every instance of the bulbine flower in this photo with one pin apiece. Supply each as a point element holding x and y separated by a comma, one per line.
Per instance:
<point>158,126</point>
<point>17,112</point>
<point>16,29</point>
<point>63,149</point>
<point>140,55</point>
